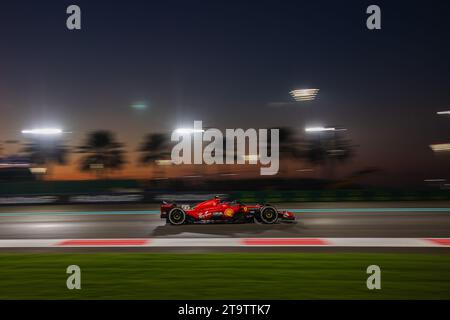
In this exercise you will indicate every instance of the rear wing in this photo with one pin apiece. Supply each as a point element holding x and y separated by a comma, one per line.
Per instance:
<point>165,208</point>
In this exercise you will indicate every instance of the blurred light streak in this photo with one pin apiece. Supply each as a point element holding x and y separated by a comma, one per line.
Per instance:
<point>443,112</point>
<point>38,170</point>
<point>43,131</point>
<point>188,131</point>
<point>96,166</point>
<point>319,129</point>
<point>18,165</point>
<point>442,147</point>
<point>139,106</point>
<point>251,157</point>
<point>304,94</point>
<point>163,162</point>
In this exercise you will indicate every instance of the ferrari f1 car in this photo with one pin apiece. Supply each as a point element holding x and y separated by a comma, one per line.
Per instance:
<point>216,211</point>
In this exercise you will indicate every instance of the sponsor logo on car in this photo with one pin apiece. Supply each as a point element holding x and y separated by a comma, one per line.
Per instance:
<point>228,212</point>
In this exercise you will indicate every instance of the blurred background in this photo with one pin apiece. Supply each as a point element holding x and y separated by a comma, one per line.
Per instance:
<point>91,111</point>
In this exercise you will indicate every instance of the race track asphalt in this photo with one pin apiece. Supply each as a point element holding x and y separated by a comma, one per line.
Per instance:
<point>350,220</point>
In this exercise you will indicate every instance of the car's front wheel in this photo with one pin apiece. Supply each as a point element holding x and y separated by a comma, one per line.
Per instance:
<point>176,216</point>
<point>268,215</point>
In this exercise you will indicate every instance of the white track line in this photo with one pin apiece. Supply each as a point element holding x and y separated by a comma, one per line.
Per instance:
<point>228,242</point>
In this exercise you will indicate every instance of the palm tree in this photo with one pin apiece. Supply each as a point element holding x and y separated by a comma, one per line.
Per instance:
<point>46,153</point>
<point>327,151</point>
<point>154,147</point>
<point>288,147</point>
<point>103,153</point>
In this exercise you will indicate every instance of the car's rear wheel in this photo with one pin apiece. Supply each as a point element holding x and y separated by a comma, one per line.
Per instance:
<point>176,216</point>
<point>268,215</point>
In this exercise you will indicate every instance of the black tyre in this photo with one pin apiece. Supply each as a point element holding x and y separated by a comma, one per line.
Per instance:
<point>176,216</point>
<point>268,215</point>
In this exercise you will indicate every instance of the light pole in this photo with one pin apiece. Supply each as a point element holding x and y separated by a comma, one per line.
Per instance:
<point>45,148</point>
<point>328,147</point>
<point>441,147</point>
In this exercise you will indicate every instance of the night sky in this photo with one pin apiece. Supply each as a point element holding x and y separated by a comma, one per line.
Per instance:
<point>225,62</point>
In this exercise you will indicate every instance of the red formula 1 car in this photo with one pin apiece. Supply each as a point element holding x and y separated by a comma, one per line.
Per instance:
<point>216,210</point>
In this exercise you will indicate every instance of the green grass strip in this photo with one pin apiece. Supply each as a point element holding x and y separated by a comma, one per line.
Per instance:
<point>224,276</point>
